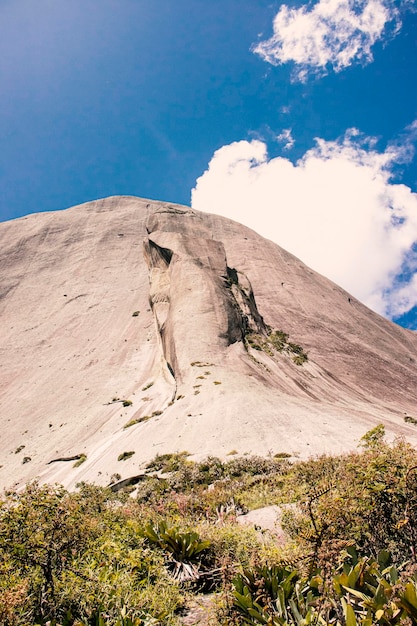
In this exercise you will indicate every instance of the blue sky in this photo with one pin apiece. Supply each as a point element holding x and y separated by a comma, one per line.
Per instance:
<point>298,119</point>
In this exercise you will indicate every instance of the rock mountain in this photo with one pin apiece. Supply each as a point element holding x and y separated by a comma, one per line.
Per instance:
<point>193,329</point>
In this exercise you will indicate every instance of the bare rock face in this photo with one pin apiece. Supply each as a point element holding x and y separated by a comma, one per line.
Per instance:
<point>199,306</point>
<point>133,326</point>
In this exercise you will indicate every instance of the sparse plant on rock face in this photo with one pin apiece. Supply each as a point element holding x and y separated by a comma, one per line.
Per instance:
<point>125,455</point>
<point>282,455</point>
<point>278,339</point>
<point>137,420</point>
<point>80,461</point>
<point>131,423</point>
<point>299,359</point>
<point>275,341</point>
<point>169,462</point>
<point>127,402</point>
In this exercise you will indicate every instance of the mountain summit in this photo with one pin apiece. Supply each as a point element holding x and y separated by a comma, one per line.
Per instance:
<point>131,328</point>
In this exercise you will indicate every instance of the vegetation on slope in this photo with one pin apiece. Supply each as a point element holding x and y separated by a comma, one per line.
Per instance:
<point>94,557</point>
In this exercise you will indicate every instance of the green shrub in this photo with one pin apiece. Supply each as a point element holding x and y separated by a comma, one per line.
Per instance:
<point>276,341</point>
<point>137,420</point>
<point>170,462</point>
<point>80,461</point>
<point>125,455</point>
<point>185,549</point>
<point>132,422</point>
<point>97,557</point>
<point>274,595</point>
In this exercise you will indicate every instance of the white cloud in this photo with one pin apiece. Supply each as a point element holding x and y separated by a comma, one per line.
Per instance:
<point>286,138</point>
<point>332,33</point>
<point>336,209</point>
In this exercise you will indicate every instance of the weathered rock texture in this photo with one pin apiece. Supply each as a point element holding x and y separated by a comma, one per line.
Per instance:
<point>172,309</point>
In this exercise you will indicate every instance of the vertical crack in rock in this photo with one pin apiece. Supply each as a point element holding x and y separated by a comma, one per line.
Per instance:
<point>158,260</point>
<point>200,305</point>
<point>241,289</point>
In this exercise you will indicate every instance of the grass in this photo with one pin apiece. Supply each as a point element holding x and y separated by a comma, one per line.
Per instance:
<point>276,341</point>
<point>80,461</point>
<point>148,386</point>
<point>140,420</point>
<point>201,364</point>
<point>137,420</point>
<point>125,455</point>
<point>127,403</point>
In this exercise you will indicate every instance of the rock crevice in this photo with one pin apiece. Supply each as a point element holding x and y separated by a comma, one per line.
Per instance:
<point>200,304</point>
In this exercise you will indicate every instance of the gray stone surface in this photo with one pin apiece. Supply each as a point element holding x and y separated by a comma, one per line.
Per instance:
<point>70,345</point>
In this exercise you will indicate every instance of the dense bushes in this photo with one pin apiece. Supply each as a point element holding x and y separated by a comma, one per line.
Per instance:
<point>97,558</point>
<point>67,557</point>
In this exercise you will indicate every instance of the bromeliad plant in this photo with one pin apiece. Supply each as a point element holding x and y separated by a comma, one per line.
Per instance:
<point>185,549</point>
<point>276,596</point>
<point>371,593</point>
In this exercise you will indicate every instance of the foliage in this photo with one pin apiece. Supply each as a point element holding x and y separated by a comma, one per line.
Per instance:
<point>275,595</point>
<point>369,498</point>
<point>365,592</point>
<point>184,548</point>
<point>80,461</point>
<point>69,558</point>
<point>125,455</point>
<point>168,462</point>
<point>276,341</point>
<point>99,558</point>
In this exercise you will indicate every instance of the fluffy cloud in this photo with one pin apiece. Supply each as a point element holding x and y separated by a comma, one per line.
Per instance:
<point>336,209</point>
<point>286,138</point>
<point>332,33</point>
